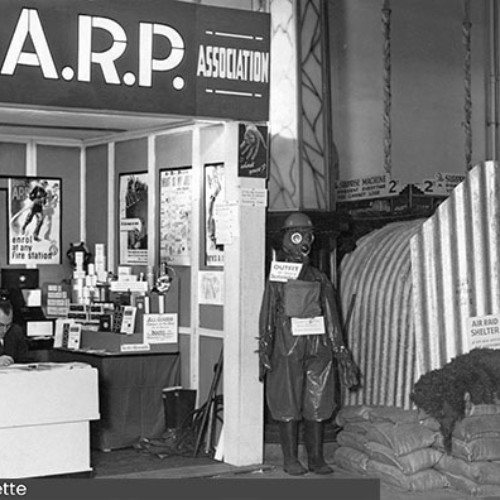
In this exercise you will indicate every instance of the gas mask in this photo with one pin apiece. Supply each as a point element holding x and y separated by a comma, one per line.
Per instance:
<point>298,237</point>
<point>297,243</point>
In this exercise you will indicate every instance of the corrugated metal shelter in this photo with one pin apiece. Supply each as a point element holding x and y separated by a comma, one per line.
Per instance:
<point>381,328</point>
<point>456,267</point>
<point>416,285</point>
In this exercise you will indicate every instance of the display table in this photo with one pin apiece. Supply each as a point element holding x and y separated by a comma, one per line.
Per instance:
<point>130,394</point>
<point>44,418</point>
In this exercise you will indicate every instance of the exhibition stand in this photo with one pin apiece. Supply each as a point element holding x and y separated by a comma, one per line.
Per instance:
<point>186,196</point>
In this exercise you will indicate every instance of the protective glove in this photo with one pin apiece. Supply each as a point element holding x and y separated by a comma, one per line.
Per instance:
<point>264,358</point>
<point>264,366</point>
<point>348,370</point>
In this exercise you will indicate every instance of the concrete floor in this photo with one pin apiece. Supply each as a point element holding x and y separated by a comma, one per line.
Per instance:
<point>269,471</point>
<point>272,469</point>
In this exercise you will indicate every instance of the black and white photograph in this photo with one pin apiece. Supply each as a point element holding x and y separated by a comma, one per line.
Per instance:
<point>250,249</point>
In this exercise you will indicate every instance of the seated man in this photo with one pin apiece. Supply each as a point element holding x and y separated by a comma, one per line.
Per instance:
<point>13,346</point>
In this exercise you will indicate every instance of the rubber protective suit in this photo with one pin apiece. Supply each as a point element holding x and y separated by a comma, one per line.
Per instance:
<point>300,347</point>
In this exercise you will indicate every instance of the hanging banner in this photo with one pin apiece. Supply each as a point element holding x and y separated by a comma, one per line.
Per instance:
<point>152,56</point>
<point>134,218</point>
<point>34,221</point>
<point>175,216</point>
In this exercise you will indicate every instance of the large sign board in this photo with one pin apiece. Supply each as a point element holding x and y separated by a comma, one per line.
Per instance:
<point>368,188</point>
<point>152,56</point>
<point>442,184</point>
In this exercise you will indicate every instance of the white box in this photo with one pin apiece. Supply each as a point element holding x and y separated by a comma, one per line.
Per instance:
<point>124,270</point>
<point>132,286</point>
<point>35,451</point>
<point>100,250</point>
<point>44,430</point>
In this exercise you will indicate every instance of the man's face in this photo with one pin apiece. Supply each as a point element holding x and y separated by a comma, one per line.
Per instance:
<point>297,243</point>
<point>5,323</point>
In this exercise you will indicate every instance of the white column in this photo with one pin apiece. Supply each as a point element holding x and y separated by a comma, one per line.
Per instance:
<point>244,284</point>
<point>83,194</point>
<point>197,187</point>
<point>111,207</point>
<point>31,159</point>
<point>152,200</point>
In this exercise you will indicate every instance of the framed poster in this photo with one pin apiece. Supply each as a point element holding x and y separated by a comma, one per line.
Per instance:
<point>34,220</point>
<point>175,216</point>
<point>133,217</point>
<point>215,194</point>
<point>253,158</point>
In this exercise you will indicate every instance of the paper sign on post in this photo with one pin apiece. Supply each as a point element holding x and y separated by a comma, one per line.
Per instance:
<point>226,217</point>
<point>253,197</point>
<point>284,271</point>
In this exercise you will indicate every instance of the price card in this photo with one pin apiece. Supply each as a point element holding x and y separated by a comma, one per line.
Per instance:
<point>308,326</point>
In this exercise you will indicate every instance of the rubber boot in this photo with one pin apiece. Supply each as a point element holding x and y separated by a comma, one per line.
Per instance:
<point>289,437</point>
<point>313,436</point>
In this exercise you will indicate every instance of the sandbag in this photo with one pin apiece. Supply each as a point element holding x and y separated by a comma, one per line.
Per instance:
<point>356,413</point>
<point>482,409</point>
<point>350,459</point>
<point>358,427</point>
<point>428,479</point>
<point>480,472</point>
<point>391,414</point>
<point>352,440</point>
<point>402,438</point>
<point>476,450</point>
<point>421,459</point>
<point>471,428</point>
<point>427,421</point>
<point>472,488</point>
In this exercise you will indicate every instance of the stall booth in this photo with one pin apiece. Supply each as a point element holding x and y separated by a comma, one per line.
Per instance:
<point>146,124</point>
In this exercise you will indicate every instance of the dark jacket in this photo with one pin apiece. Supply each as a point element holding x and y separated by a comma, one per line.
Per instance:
<point>14,345</point>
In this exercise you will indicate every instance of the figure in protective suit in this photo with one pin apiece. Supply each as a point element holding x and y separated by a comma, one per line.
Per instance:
<point>300,347</point>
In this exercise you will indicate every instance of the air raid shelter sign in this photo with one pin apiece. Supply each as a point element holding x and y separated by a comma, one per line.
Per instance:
<point>484,331</point>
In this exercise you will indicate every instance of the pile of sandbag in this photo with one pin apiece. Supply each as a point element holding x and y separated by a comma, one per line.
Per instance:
<point>473,466</point>
<point>392,444</point>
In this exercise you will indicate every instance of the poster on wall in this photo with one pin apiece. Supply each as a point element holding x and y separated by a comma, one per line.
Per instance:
<point>252,151</point>
<point>34,220</point>
<point>134,218</point>
<point>211,288</point>
<point>214,196</point>
<point>175,216</point>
